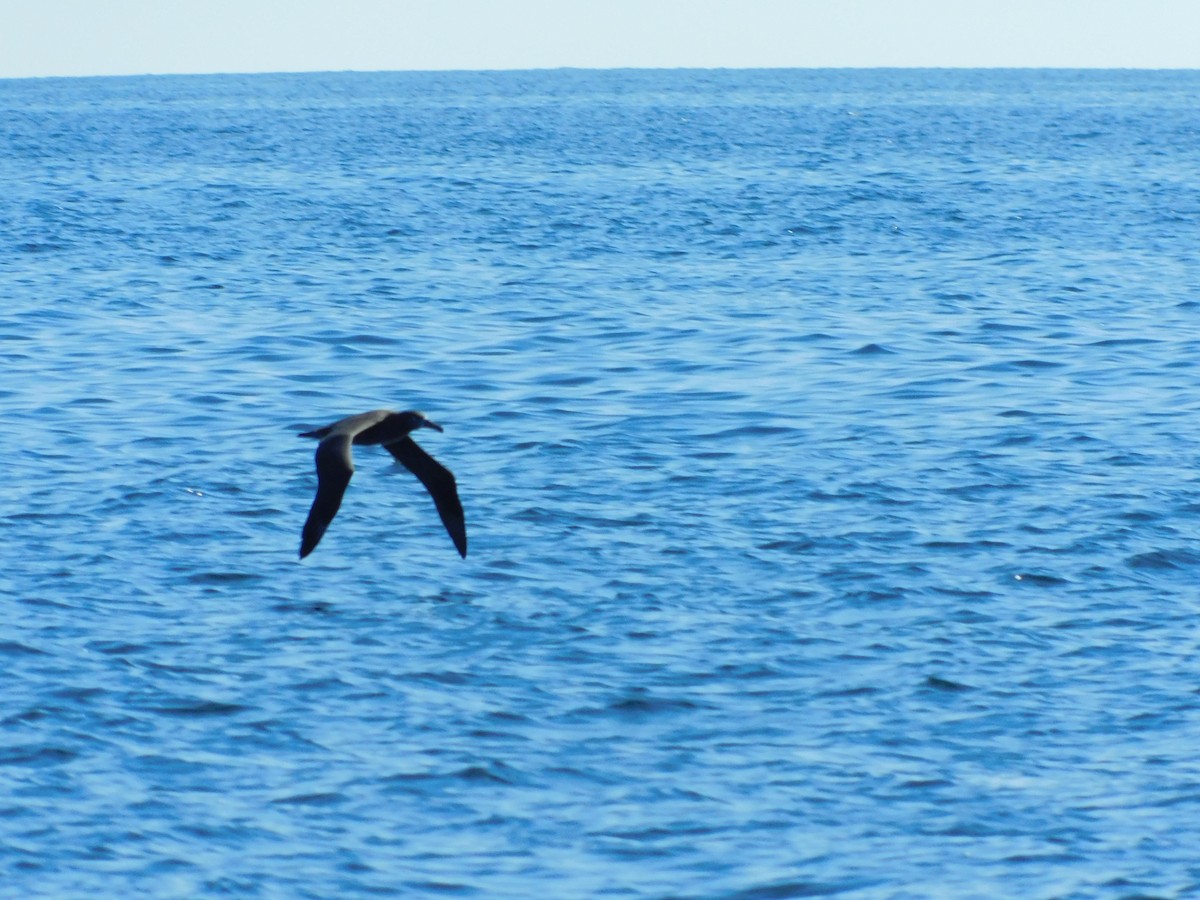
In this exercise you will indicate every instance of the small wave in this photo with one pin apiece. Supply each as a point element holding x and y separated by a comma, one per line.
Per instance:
<point>748,431</point>
<point>16,648</point>
<point>224,577</point>
<point>1039,579</point>
<point>1164,559</point>
<point>199,709</point>
<point>1017,365</point>
<point>319,798</point>
<point>36,755</point>
<point>1124,342</point>
<point>946,685</point>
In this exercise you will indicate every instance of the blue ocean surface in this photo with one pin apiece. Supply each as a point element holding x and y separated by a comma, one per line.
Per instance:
<point>828,442</point>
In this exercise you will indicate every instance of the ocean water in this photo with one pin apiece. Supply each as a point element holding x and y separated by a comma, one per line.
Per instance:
<point>828,443</point>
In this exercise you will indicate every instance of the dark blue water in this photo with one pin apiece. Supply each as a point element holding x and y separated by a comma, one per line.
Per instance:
<point>828,442</point>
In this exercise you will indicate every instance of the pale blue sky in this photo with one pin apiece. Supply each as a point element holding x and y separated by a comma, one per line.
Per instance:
<point>112,37</point>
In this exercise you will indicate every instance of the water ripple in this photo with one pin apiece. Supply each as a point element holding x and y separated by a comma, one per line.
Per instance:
<point>826,444</point>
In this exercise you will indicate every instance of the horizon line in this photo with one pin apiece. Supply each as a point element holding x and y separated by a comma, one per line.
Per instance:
<point>566,68</point>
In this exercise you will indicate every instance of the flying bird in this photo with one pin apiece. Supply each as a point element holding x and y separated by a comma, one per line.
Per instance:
<point>335,466</point>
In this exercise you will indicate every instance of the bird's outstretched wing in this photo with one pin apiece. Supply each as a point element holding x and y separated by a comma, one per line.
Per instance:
<point>440,483</point>
<point>334,468</point>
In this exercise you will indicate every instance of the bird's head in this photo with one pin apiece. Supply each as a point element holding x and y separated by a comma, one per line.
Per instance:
<point>415,420</point>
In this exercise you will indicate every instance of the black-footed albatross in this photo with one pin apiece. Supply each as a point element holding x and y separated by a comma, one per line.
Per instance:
<point>335,466</point>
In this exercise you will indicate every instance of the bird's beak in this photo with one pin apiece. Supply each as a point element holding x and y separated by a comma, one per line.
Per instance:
<point>434,425</point>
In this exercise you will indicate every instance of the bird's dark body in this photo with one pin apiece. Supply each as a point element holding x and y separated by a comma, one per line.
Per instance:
<point>381,432</point>
<point>335,466</point>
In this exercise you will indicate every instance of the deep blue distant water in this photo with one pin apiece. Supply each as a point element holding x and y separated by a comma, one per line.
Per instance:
<point>828,442</point>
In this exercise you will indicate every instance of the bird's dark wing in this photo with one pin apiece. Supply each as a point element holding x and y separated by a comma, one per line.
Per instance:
<point>441,486</point>
<point>334,468</point>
